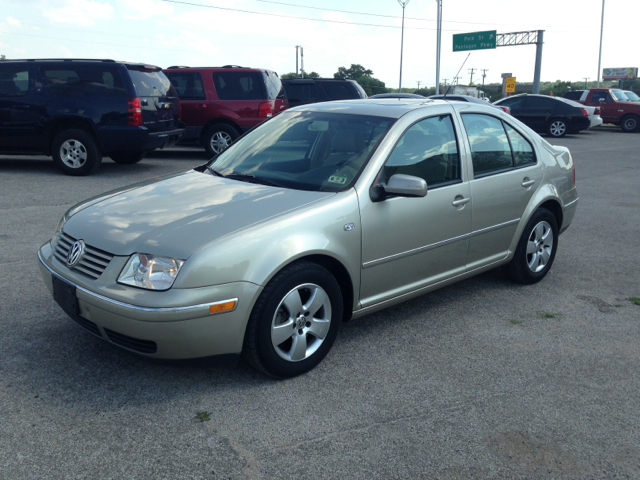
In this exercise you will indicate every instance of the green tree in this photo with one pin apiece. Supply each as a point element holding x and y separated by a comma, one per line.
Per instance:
<point>426,91</point>
<point>559,88</point>
<point>354,72</point>
<point>3,57</point>
<point>306,75</point>
<point>372,85</point>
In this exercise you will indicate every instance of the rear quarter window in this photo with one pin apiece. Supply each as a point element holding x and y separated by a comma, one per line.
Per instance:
<point>339,91</point>
<point>98,80</point>
<point>188,85</point>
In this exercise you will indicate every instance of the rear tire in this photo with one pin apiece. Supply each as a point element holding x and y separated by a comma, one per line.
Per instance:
<point>630,123</point>
<point>294,322</point>
<point>536,249</point>
<point>75,152</point>
<point>127,158</point>
<point>557,128</point>
<point>217,138</point>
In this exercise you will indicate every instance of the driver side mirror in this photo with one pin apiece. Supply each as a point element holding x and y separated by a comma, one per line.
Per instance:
<point>399,185</point>
<point>602,100</point>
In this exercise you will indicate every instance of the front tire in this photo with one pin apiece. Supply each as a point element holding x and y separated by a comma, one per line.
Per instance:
<point>127,158</point>
<point>217,138</point>
<point>557,128</point>
<point>75,152</point>
<point>294,322</point>
<point>630,123</point>
<point>536,249</point>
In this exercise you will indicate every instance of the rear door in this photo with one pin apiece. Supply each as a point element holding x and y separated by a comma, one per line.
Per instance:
<point>537,111</point>
<point>160,103</point>
<point>194,106</point>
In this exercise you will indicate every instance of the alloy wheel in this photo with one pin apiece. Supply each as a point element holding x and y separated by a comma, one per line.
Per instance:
<point>301,322</point>
<point>539,247</point>
<point>220,141</point>
<point>558,128</point>
<point>73,153</point>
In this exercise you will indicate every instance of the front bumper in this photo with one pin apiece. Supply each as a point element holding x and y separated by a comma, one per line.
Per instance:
<point>182,331</point>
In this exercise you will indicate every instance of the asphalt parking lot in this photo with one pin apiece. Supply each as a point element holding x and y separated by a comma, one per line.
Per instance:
<point>482,379</point>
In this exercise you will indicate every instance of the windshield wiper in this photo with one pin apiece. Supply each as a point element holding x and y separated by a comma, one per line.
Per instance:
<point>215,172</point>
<point>245,177</point>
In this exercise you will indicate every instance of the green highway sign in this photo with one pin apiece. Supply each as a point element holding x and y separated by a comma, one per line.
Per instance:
<point>474,41</point>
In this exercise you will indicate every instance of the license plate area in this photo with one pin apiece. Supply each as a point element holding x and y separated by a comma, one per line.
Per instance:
<point>65,295</point>
<point>165,114</point>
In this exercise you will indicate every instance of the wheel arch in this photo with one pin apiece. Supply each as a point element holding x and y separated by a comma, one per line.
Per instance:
<point>68,123</point>
<point>218,121</point>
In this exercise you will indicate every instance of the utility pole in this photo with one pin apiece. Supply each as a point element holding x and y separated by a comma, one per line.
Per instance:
<point>586,79</point>
<point>301,62</point>
<point>297,46</point>
<point>455,80</point>
<point>484,74</point>
<point>471,70</point>
<point>419,85</point>
<point>445,81</point>
<point>438,43</point>
<point>402,4</point>
<point>600,54</point>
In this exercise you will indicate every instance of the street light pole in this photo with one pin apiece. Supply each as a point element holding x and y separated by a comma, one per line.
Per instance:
<point>439,35</point>
<point>600,54</point>
<point>402,4</point>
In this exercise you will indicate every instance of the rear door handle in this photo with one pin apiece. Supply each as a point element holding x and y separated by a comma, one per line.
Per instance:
<point>22,106</point>
<point>460,202</point>
<point>526,183</point>
<point>202,105</point>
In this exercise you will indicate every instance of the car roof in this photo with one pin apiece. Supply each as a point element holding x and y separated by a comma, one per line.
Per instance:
<point>382,107</point>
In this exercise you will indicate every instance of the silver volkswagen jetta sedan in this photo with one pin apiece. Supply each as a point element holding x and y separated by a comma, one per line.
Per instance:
<point>323,213</point>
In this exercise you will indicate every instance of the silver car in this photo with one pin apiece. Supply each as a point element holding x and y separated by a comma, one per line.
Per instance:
<point>323,213</point>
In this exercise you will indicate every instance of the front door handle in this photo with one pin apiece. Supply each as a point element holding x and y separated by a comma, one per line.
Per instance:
<point>526,183</point>
<point>201,105</point>
<point>460,202</point>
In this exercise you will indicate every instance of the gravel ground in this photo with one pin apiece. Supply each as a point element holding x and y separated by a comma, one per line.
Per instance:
<point>483,379</point>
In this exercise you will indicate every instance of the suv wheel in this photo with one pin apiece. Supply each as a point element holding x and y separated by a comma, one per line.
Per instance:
<point>75,152</point>
<point>218,137</point>
<point>127,158</point>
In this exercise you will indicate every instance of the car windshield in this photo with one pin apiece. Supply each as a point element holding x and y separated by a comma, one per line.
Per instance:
<point>619,96</point>
<point>632,96</point>
<point>304,150</point>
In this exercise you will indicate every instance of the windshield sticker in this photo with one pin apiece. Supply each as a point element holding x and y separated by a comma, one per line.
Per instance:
<point>340,179</point>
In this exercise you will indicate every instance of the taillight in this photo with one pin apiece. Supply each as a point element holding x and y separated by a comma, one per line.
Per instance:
<point>584,112</point>
<point>505,109</point>
<point>134,112</point>
<point>265,110</point>
<point>596,111</point>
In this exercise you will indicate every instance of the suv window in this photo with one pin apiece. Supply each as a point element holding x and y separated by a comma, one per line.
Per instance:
<point>82,80</point>
<point>188,85</point>
<point>239,85</point>
<point>274,86</point>
<point>428,150</point>
<point>574,95</point>
<point>337,91</point>
<point>302,93</point>
<point>149,82</point>
<point>14,80</point>
<point>494,149</point>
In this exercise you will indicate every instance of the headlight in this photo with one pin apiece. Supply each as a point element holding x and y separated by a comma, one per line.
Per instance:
<point>151,272</point>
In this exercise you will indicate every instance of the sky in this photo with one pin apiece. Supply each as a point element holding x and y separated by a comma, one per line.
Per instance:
<point>333,33</point>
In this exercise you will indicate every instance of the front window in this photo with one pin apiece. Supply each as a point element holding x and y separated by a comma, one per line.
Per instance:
<point>304,150</point>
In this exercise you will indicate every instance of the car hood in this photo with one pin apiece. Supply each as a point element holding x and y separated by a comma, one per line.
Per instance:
<point>180,214</point>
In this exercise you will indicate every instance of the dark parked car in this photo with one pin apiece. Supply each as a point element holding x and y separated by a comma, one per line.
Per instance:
<point>547,114</point>
<point>301,91</point>
<point>470,99</point>
<point>79,110</point>
<point>221,103</point>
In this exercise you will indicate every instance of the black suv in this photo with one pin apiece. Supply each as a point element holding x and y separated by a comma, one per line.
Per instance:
<point>79,110</point>
<point>301,91</point>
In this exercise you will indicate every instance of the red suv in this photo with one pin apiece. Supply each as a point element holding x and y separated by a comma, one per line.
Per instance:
<point>220,103</point>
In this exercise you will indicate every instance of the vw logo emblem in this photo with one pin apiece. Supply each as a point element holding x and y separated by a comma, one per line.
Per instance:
<point>75,253</point>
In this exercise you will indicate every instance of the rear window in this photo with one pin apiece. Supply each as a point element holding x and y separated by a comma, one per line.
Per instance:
<point>274,86</point>
<point>188,85</point>
<point>339,91</point>
<point>239,85</point>
<point>149,82</point>
<point>97,80</point>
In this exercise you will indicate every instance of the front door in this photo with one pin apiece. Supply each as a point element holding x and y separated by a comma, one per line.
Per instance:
<point>410,243</point>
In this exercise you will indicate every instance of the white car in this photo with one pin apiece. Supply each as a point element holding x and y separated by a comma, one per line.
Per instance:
<point>594,112</point>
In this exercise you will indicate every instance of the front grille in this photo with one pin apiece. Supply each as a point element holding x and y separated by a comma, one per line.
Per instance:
<point>135,344</point>
<point>93,261</point>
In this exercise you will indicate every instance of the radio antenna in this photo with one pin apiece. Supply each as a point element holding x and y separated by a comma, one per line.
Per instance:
<point>465,61</point>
